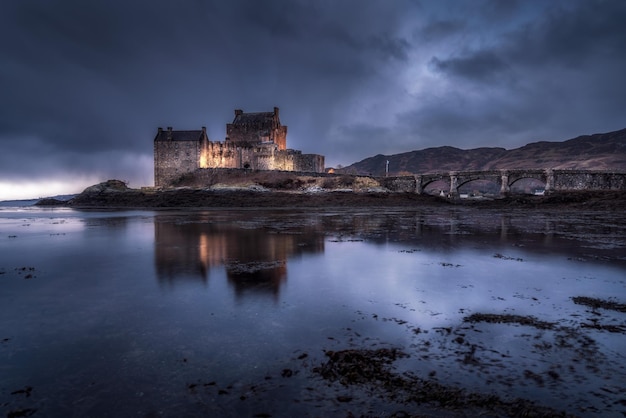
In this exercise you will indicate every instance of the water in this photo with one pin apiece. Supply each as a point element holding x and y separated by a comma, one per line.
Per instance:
<point>227,313</point>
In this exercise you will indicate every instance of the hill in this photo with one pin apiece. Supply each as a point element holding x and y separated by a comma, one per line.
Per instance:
<point>29,202</point>
<point>605,151</point>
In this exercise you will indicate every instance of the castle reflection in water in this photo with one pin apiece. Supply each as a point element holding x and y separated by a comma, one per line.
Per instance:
<point>254,249</point>
<point>255,259</point>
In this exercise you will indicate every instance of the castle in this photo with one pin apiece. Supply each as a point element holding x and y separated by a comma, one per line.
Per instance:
<point>255,141</point>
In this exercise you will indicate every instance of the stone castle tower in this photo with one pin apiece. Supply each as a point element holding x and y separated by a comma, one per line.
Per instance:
<point>249,129</point>
<point>256,141</point>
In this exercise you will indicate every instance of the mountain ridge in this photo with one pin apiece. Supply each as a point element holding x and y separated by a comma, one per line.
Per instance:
<point>602,151</point>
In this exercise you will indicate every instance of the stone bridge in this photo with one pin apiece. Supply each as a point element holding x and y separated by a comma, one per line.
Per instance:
<point>553,180</point>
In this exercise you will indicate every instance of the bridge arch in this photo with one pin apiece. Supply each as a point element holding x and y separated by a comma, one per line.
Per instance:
<point>430,185</point>
<point>427,181</point>
<point>515,176</point>
<point>463,178</point>
<point>527,185</point>
<point>486,185</point>
<point>558,180</point>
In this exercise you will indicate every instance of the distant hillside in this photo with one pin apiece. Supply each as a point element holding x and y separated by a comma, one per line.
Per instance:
<point>590,152</point>
<point>31,202</point>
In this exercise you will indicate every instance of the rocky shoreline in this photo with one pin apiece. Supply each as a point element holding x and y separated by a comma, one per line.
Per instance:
<point>115,194</point>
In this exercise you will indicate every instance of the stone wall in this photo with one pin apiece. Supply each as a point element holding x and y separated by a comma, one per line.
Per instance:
<point>172,159</point>
<point>254,141</point>
<point>250,129</point>
<point>588,180</point>
<point>259,157</point>
<point>218,154</point>
<point>311,163</point>
<point>400,184</point>
<point>554,180</point>
<point>244,135</point>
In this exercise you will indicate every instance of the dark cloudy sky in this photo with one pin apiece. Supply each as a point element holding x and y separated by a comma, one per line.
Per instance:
<point>85,84</point>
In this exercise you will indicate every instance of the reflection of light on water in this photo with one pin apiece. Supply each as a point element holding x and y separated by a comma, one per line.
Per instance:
<point>391,280</point>
<point>212,249</point>
<point>254,258</point>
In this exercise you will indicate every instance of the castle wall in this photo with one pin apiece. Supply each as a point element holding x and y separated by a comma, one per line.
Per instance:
<point>250,129</point>
<point>255,141</point>
<point>280,137</point>
<point>219,154</point>
<point>259,157</point>
<point>310,163</point>
<point>172,159</point>
<point>250,135</point>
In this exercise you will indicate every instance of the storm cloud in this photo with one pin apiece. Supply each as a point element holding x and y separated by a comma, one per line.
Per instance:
<point>86,84</point>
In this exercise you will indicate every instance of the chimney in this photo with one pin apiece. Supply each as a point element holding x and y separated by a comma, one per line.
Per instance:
<point>238,112</point>
<point>160,130</point>
<point>169,133</point>
<point>275,111</point>
<point>204,129</point>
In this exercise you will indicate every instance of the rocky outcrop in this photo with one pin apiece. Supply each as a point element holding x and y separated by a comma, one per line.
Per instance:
<point>109,186</point>
<point>49,201</point>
